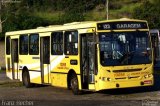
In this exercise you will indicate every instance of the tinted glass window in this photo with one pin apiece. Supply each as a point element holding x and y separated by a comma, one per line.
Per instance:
<point>57,43</point>
<point>71,42</point>
<point>8,45</point>
<point>23,45</point>
<point>34,44</point>
<point>124,48</point>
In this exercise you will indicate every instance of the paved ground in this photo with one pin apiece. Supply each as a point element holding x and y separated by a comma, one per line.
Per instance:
<point>12,93</point>
<point>3,76</point>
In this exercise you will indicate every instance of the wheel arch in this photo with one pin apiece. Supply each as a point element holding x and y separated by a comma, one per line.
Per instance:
<point>25,74</point>
<point>24,69</point>
<point>70,73</point>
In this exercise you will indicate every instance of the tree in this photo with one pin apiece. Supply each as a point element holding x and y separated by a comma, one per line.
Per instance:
<point>2,5</point>
<point>150,12</point>
<point>74,11</point>
<point>0,16</point>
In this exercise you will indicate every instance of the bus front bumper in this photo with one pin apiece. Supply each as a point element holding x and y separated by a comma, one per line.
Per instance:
<point>103,85</point>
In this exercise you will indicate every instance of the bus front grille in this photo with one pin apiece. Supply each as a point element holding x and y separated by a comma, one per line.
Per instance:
<point>122,78</point>
<point>127,70</point>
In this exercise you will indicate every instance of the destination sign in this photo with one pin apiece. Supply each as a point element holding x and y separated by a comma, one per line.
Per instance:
<point>121,25</point>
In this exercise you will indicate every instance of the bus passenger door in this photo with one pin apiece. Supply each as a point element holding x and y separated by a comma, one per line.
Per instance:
<point>87,61</point>
<point>14,57</point>
<point>45,58</point>
<point>155,46</point>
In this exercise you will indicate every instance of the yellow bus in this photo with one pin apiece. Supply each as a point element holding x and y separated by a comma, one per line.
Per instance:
<point>94,55</point>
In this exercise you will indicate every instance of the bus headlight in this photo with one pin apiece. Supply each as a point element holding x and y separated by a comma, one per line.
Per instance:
<point>106,79</point>
<point>147,76</point>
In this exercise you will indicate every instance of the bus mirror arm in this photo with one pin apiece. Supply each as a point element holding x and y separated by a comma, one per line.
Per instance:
<point>95,52</point>
<point>95,38</point>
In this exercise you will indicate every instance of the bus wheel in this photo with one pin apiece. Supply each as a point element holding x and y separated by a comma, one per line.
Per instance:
<point>74,85</point>
<point>26,79</point>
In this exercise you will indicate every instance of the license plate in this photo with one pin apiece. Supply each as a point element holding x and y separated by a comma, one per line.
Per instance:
<point>148,82</point>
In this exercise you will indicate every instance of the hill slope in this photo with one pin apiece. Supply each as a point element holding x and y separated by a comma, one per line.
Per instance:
<point>30,14</point>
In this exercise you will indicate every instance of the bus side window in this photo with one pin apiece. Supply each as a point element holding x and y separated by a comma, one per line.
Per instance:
<point>34,44</point>
<point>71,42</point>
<point>8,40</point>
<point>23,45</point>
<point>57,43</point>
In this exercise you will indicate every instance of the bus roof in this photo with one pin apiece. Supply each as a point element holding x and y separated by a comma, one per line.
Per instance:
<point>68,26</point>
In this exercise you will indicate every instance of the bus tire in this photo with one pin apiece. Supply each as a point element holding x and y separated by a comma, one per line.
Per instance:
<point>74,85</point>
<point>26,79</point>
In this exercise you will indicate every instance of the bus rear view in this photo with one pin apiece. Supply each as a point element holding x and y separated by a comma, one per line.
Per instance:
<point>125,54</point>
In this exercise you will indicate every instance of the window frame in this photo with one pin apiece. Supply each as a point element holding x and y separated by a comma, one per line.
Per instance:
<point>32,53</point>
<point>20,45</point>
<point>8,45</point>
<point>52,43</point>
<point>65,42</point>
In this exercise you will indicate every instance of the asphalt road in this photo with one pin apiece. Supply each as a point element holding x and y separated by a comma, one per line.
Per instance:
<point>12,93</point>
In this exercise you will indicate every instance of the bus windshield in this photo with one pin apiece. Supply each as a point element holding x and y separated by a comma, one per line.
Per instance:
<point>124,48</point>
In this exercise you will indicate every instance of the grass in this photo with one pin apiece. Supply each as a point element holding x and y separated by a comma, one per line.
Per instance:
<point>2,70</point>
<point>11,84</point>
<point>95,15</point>
<point>49,16</point>
<point>129,8</point>
<point>126,10</point>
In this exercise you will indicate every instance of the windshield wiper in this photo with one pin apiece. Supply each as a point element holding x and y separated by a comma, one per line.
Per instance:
<point>126,56</point>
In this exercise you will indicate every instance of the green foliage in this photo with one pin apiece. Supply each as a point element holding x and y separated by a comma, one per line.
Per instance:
<point>150,12</point>
<point>2,70</point>
<point>30,14</point>
<point>72,16</point>
<point>74,12</point>
<point>28,21</point>
<point>20,20</point>
<point>23,15</point>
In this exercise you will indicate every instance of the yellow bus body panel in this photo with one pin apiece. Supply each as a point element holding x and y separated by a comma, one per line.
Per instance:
<point>109,77</point>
